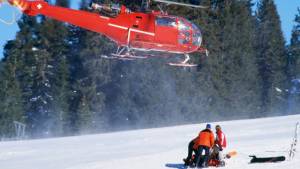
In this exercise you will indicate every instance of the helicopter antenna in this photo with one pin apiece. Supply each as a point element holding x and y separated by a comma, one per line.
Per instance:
<point>160,8</point>
<point>145,5</point>
<point>181,4</point>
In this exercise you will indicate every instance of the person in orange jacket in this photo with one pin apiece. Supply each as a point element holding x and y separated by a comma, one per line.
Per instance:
<point>201,145</point>
<point>204,142</point>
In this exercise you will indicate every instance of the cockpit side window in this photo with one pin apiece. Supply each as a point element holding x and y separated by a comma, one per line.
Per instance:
<point>183,26</point>
<point>166,21</point>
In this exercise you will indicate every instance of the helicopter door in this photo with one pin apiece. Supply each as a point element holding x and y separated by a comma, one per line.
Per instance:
<point>166,30</point>
<point>137,22</point>
<point>185,35</point>
<point>143,28</point>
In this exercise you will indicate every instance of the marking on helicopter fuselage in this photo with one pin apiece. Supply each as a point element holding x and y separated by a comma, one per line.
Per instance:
<point>103,17</point>
<point>117,26</point>
<point>39,6</point>
<point>130,29</point>
<point>139,31</point>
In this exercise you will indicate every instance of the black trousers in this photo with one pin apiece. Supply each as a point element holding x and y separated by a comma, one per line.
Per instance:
<point>191,150</point>
<point>203,156</point>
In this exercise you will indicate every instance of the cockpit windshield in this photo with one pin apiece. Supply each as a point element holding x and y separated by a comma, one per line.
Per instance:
<point>197,37</point>
<point>166,21</point>
<point>189,31</point>
<point>183,26</point>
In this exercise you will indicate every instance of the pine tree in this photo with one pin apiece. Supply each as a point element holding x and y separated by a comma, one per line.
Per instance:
<point>272,58</point>
<point>41,60</point>
<point>51,83</point>
<point>90,73</point>
<point>238,59</point>
<point>62,94</point>
<point>11,106</point>
<point>85,115</point>
<point>227,80</point>
<point>41,98</point>
<point>294,48</point>
<point>21,51</point>
<point>96,74</point>
<point>294,65</point>
<point>60,48</point>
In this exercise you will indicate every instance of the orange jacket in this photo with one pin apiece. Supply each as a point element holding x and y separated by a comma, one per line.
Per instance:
<point>205,138</point>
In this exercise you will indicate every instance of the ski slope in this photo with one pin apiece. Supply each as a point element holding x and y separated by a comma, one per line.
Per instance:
<point>160,148</point>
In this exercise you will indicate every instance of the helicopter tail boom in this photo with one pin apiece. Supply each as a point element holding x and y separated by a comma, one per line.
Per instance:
<point>83,19</point>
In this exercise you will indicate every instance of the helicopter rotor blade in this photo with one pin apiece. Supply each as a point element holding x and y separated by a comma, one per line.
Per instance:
<point>181,4</point>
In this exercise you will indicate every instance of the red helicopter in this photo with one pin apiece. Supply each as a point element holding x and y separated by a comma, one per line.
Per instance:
<point>145,30</point>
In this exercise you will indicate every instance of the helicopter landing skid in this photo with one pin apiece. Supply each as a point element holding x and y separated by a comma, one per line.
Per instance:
<point>124,53</point>
<point>128,56</point>
<point>184,63</point>
<point>123,57</point>
<point>116,57</point>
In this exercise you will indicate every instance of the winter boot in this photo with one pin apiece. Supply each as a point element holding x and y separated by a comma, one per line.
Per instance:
<point>186,161</point>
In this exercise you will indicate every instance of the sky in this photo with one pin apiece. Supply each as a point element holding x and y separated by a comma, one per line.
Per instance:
<point>287,10</point>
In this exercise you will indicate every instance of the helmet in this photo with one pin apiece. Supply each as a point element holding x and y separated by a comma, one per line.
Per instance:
<point>218,127</point>
<point>208,126</point>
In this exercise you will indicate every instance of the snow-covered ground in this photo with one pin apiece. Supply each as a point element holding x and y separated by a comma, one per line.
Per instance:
<point>159,148</point>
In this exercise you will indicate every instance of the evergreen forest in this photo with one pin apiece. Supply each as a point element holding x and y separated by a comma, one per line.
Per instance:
<point>54,80</point>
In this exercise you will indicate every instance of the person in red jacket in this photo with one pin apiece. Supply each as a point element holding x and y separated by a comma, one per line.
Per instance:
<point>220,143</point>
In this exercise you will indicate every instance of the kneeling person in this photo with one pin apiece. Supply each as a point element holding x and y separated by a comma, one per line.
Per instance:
<point>220,144</point>
<point>203,144</point>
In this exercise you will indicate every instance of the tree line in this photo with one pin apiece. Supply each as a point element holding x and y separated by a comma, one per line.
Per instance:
<point>54,80</point>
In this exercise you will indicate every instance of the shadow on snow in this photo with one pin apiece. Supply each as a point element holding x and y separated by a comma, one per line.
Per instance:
<point>177,166</point>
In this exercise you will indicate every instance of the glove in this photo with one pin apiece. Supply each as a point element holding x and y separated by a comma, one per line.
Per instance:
<point>221,149</point>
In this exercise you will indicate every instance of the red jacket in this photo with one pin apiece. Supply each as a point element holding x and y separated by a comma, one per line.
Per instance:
<point>205,138</point>
<point>221,139</point>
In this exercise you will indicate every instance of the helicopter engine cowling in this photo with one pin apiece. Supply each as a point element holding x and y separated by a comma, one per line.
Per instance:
<point>109,9</point>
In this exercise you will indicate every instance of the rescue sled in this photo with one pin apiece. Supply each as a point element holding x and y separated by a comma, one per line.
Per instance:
<point>213,161</point>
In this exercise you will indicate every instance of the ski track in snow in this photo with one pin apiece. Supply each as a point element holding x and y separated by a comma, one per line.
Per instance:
<point>154,148</point>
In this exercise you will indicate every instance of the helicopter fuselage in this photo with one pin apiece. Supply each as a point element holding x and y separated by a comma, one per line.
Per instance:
<point>151,31</point>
